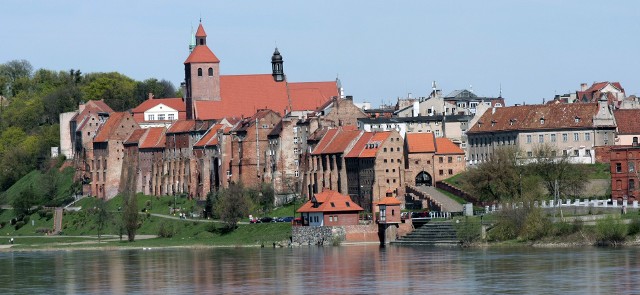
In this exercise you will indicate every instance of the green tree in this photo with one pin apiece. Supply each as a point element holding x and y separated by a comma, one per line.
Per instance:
<point>159,88</point>
<point>552,166</point>
<point>116,89</point>
<point>15,76</point>
<point>102,216</point>
<point>499,178</point>
<point>24,201</point>
<point>232,205</point>
<point>266,197</point>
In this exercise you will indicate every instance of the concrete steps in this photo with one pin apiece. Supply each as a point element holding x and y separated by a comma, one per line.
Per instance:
<point>433,233</point>
<point>57,221</point>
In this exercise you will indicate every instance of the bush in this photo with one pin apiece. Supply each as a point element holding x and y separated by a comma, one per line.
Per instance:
<point>509,222</point>
<point>536,225</point>
<point>468,232</point>
<point>610,231</point>
<point>49,215</point>
<point>26,219</point>
<point>634,226</point>
<point>166,230</point>
<point>3,224</point>
<point>19,224</point>
<point>42,213</point>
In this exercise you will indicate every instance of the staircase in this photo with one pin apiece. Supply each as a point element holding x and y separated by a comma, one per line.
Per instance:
<point>57,221</point>
<point>441,200</point>
<point>431,234</point>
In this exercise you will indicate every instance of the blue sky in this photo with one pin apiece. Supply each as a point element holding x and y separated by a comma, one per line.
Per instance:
<point>380,49</point>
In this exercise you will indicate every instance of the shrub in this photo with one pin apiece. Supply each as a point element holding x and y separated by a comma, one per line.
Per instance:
<point>634,226</point>
<point>610,231</point>
<point>49,215</point>
<point>166,230</point>
<point>19,224</point>
<point>42,213</point>
<point>536,225</point>
<point>26,219</point>
<point>3,224</point>
<point>468,232</point>
<point>509,222</point>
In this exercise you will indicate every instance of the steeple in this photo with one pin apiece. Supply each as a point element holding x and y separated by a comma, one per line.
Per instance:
<point>201,36</point>
<point>192,44</point>
<point>276,66</point>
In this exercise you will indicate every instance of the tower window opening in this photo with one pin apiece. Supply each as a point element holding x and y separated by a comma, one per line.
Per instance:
<point>210,72</point>
<point>199,72</point>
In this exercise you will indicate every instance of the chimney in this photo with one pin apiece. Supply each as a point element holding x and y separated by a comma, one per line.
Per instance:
<point>150,95</point>
<point>583,86</point>
<point>493,110</point>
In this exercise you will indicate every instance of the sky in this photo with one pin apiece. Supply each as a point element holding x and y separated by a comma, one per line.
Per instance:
<point>380,50</point>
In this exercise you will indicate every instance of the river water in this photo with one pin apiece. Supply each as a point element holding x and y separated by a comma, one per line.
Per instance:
<point>329,270</point>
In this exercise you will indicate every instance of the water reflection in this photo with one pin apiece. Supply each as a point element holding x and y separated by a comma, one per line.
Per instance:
<point>330,270</point>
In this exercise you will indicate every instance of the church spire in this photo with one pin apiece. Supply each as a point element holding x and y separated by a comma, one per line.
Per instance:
<point>276,66</point>
<point>201,36</point>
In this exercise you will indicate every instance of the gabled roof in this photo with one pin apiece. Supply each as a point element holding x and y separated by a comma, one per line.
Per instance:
<point>182,126</point>
<point>251,121</point>
<point>337,142</point>
<point>175,103</point>
<point>210,137</point>
<point>421,143</point>
<point>537,117</point>
<point>155,137</point>
<point>243,95</point>
<point>330,201</point>
<point>368,145</point>
<point>445,146</point>
<point>92,107</point>
<point>202,54</point>
<point>134,138</point>
<point>628,121</point>
<point>389,201</point>
<point>108,129</point>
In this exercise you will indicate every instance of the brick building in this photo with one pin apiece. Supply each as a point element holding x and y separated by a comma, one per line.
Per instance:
<point>628,129</point>
<point>210,173</point>
<point>624,173</point>
<point>108,153</point>
<point>430,159</point>
<point>375,166</point>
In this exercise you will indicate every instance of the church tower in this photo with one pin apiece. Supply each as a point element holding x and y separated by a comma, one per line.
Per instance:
<point>201,73</point>
<point>276,66</point>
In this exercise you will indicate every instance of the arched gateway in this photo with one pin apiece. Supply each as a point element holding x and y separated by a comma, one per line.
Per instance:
<point>423,178</point>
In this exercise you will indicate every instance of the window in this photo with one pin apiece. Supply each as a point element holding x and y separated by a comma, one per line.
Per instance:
<point>540,138</point>
<point>441,172</point>
<point>331,218</point>
<point>565,137</point>
<point>587,137</point>
<point>335,218</point>
<point>384,150</point>
<point>450,160</point>
<point>635,140</point>
<point>296,162</point>
<point>199,72</point>
<point>632,167</point>
<point>564,153</point>
<point>151,117</point>
<point>459,158</point>
<point>529,154</point>
<point>210,72</point>
<point>528,138</point>
<point>632,184</point>
<point>440,159</point>
<point>553,153</point>
<point>553,138</point>
<point>587,153</point>
<point>228,173</point>
<point>170,117</point>
<point>295,151</point>
<point>295,139</point>
<point>576,136</point>
<point>437,133</point>
<point>450,171</point>
<point>576,153</point>
<point>541,121</point>
<point>385,160</point>
<point>618,167</point>
<point>161,117</point>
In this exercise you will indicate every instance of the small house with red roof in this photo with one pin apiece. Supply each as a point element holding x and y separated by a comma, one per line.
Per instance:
<point>155,112</point>
<point>330,208</point>
<point>375,165</point>
<point>431,159</point>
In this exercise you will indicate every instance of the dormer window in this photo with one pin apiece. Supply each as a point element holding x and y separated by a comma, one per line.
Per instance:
<point>577,119</point>
<point>512,121</point>
<point>541,121</point>
<point>493,123</point>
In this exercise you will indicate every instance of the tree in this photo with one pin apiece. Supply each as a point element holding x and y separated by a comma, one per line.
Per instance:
<point>160,89</point>
<point>102,216</point>
<point>15,76</point>
<point>24,201</point>
<point>266,197</point>
<point>130,204</point>
<point>496,179</point>
<point>232,205</point>
<point>116,89</point>
<point>552,166</point>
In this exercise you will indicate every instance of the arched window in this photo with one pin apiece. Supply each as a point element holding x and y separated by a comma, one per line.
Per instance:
<point>201,41</point>
<point>199,72</point>
<point>210,72</point>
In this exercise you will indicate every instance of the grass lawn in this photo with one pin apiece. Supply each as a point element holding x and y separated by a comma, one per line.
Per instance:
<point>34,180</point>
<point>452,196</point>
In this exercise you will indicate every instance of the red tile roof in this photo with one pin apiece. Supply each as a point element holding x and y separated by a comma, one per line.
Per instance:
<point>389,201</point>
<point>338,143</point>
<point>91,107</point>
<point>155,137</point>
<point>202,54</point>
<point>368,145</point>
<point>134,138</point>
<point>108,129</point>
<point>210,137</point>
<point>330,201</point>
<point>243,95</point>
<point>421,143</point>
<point>200,32</point>
<point>174,103</point>
<point>628,121</point>
<point>529,117</point>
<point>182,126</point>
<point>445,146</point>
<point>327,137</point>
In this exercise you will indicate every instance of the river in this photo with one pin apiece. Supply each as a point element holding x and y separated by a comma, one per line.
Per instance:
<point>329,270</point>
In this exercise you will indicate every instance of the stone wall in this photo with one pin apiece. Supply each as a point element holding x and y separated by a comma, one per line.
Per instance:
<point>325,235</point>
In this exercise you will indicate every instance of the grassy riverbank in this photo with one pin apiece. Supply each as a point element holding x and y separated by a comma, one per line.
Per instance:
<point>80,229</point>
